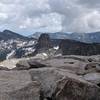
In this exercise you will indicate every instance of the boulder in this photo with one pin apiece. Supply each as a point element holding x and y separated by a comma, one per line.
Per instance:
<point>10,64</point>
<point>71,89</point>
<point>47,77</point>
<point>72,64</point>
<point>17,85</point>
<point>36,64</point>
<point>22,65</point>
<point>28,64</point>
<point>4,68</point>
<point>60,84</point>
<point>92,67</point>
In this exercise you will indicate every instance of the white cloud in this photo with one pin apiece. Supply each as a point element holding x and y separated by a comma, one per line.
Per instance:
<point>87,22</point>
<point>50,15</point>
<point>3,16</point>
<point>47,22</point>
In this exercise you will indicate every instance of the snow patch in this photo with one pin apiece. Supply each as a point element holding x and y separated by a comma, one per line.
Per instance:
<point>56,48</point>
<point>10,55</point>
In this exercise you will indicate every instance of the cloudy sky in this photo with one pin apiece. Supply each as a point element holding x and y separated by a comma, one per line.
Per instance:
<point>29,16</point>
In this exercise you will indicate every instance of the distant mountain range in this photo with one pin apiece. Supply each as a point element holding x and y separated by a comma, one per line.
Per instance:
<point>15,45</point>
<point>12,43</point>
<point>82,37</point>
<point>93,37</point>
<point>7,35</point>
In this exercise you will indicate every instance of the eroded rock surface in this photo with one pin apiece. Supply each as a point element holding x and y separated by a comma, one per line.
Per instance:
<point>58,78</point>
<point>70,89</point>
<point>17,85</point>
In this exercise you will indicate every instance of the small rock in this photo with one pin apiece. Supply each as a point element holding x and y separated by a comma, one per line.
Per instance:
<point>22,65</point>
<point>4,68</point>
<point>98,67</point>
<point>36,64</point>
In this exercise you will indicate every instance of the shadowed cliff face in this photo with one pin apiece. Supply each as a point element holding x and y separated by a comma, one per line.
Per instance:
<point>71,47</point>
<point>44,42</point>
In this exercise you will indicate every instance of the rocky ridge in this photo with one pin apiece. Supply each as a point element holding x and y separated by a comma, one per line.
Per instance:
<point>58,78</point>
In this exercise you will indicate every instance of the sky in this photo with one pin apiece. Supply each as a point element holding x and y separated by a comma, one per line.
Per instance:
<point>29,16</point>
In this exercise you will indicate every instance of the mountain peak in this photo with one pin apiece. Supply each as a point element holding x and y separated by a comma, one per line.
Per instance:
<point>44,42</point>
<point>7,34</point>
<point>8,31</point>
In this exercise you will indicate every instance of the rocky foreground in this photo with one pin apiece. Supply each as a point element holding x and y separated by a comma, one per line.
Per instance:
<point>58,78</point>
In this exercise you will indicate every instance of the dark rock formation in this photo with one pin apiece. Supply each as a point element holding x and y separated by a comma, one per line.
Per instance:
<point>19,53</point>
<point>71,47</point>
<point>44,42</point>
<point>36,64</point>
